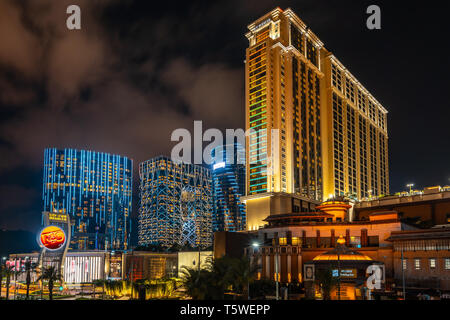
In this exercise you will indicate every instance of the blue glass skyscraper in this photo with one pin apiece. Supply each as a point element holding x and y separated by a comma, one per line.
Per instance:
<point>229,186</point>
<point>95,189</point>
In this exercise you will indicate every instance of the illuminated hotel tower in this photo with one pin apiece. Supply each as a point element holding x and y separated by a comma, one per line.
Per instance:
<point>228,173</point>
<point>330,133</point>
<point>176,204</point>
<point>95,189</point>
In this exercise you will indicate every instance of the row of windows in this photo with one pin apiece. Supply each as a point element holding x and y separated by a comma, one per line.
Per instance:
<point>432,263</point>
<point>345,85</point>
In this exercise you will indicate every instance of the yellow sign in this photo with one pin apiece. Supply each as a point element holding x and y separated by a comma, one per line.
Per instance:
<point>56,217</point>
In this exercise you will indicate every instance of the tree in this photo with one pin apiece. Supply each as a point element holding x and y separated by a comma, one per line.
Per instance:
<point>217,277</point>
<point>262,287</point>
<point>116,287</point>
<point>8,271</point>
<point>51,274</point>
<point>29,267</point>
<point>100,283</point>
<point>17,273</point>
<point>326,281</point>
<point>241,274</point>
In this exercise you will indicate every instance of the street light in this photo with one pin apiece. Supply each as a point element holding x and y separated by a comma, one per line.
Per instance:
<point>255,245</point>
<point>341,242</point>
<point>410,185</point>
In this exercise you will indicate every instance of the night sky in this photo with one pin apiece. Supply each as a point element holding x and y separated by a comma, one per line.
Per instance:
<point>137,70</point>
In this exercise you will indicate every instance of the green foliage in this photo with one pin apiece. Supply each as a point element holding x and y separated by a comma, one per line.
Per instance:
<point>263,287</point>
<point>326,281</point>
<point>8,273</point>
<point>51,274</point>
<point>219,276</point>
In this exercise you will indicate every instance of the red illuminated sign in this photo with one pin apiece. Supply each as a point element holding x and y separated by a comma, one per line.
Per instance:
<point>52,237</point>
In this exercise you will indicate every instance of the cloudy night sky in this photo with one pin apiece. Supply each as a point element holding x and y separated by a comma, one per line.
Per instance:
<point>137,70</point>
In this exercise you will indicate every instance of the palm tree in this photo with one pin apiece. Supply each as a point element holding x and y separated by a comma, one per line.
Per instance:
<point>51,274</point>
<point>241,274</point>
<point>29,267</point>
<point>8,271</point>
<point>192,282</point>
<point>326,281</point>
<point>17,273</point>
<point>218,276</point>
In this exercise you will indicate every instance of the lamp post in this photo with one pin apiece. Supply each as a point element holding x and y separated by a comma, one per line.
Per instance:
<point>340,242</point>
<point>410,185</point>
<point>255,245</point>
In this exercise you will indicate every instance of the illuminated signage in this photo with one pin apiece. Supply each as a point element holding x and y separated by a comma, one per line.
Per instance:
<point>52,238</point>
<point>219,165</point>
<point>345,273</point>
<point>55,217</point>
<point>262,24</point>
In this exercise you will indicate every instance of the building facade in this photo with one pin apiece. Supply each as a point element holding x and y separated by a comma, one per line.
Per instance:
<point>95,190</point>
<point>228,172</point>
<point>317,132</point>
<point>293,240</point>
<point>427,207</point>
<point>422,258</point>
<point>79,266</point>
<point>176,204</point>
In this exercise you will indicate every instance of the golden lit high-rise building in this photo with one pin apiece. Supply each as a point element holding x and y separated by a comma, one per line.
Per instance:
<point>317,133</point>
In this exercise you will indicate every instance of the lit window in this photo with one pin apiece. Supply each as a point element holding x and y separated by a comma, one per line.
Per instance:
<point>404,264</point>
<point>417,264</point>
<point>432,263</point>
<point>447,264</point>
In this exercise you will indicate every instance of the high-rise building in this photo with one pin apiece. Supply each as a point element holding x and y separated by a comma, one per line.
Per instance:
<point>318,132</point>
<point>176,204</point>
<point>95,190</point>
<point>229,185</point>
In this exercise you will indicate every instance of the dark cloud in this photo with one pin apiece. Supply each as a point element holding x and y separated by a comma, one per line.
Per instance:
<point>137,70</point>
<point>100,89</point>
<point>214,92</point>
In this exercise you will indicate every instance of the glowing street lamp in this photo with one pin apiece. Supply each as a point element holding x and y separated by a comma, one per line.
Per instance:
<point>410,185</point>
<point>255,245</point>
<point>341,241</point>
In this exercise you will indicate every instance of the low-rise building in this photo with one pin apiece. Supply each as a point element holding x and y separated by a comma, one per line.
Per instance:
<point>79,266</point>
<point>422,258</point>
<point>429,207</point>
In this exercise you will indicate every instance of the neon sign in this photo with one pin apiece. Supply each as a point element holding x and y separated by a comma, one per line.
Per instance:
<point>52,238</point>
